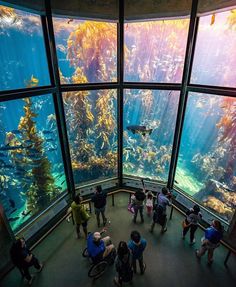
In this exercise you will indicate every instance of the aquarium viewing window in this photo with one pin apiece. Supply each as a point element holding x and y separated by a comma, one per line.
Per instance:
<point>147,153</point>
<point>22,51</point>
<point>85,99</point>
<point>91,118</point>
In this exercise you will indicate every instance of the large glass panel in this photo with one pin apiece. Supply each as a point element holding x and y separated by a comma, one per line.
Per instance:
<point>155,50</point>
<point>86,50</point>
<point>206,168</point>
<point>149,123</point>
<point>214,59</point>
<point>91,118</point>
<point>31,168</point>
<point>22,52</point>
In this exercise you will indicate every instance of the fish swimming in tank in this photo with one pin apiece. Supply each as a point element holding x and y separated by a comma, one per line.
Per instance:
<point>136,129</point>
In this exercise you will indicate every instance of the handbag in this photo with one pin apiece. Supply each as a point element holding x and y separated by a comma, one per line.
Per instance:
<point>184,224</point>
<point>130,208</point>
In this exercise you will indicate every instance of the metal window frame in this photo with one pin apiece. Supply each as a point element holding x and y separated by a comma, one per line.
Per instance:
<point>56,89</point>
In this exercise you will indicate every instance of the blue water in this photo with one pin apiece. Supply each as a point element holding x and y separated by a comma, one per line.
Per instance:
<point>91,118</point>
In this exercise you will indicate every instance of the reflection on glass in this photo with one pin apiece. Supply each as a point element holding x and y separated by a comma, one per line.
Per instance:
<point>22,51</point>
<point>86,50</point>
<point>214,58</point>
<point>91,118</point>
<point>31,169</point>
<point>206,167</point>
<point>149,123</point>
<point>155,50</point>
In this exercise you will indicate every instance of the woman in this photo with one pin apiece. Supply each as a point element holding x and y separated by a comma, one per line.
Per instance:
<point>211,240</point>
<point>23,259</point>
<point>80,215</point>
<point>123,264</point>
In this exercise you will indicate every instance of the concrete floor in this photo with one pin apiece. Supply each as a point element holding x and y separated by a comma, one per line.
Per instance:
<point>170,260</point>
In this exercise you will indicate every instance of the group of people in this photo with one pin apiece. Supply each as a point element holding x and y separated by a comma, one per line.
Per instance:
<point>127,253</point>
<point>213,234</point>
<point>159,209</point>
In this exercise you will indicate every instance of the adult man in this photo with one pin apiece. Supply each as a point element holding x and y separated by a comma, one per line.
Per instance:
<point>159,215</point>
<point>98,247</point>
<point>99,200</point>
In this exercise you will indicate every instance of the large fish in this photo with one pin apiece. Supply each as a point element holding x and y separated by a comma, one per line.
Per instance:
<point>139,130</point>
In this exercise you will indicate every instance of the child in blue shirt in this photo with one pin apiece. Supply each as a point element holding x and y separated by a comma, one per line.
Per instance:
<point>137,245</point>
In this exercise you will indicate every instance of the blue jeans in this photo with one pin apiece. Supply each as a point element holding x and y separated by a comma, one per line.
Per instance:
<point>99,211</point>
<point>136,209</point>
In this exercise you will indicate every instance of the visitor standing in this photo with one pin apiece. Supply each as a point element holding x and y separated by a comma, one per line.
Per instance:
<point>80,215</point>
<point>211,240</point>
<point>123,264</point>
<point>100,201</point>
<point>159,216</point>
<point>149,203</point>
<point>137,245</point>
<point>193,215</point>
<point>23,258</point>
<point>137,201</point>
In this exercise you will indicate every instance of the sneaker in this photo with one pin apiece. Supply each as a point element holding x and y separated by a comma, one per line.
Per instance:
<point>192,242</point>
<point>116,282</point>
<point>105,222</point>
<point>209,263</point>
<point>164,230</point>
<point>31,280</point>
<point>197,254</point>
<point>41,267</point>
<point>144,268</point>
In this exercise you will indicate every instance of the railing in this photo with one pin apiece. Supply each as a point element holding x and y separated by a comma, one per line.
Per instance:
<point>113,193</point>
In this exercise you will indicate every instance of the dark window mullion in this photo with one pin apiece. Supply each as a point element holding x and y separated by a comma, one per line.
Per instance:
<point>184,93</point>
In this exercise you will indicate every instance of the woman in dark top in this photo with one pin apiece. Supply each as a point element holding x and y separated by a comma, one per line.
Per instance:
<point>123,264</point>
<point>100,201</point>
<point>23,259</point>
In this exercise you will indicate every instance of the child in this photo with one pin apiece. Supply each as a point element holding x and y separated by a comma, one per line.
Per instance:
<point>149,202</point>
<point>193,215</point>
<point>137,245</point>
<point>123,264</point>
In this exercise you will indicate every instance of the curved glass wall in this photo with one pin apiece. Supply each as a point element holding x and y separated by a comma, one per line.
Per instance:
<point>31,168</point>
<point>206,168</point>
<point>214,58</point>
<point>149,124</point>
<point>91,118</point>
<point>22,51</point>
<point>155,50</point>
<point>86,50</point>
